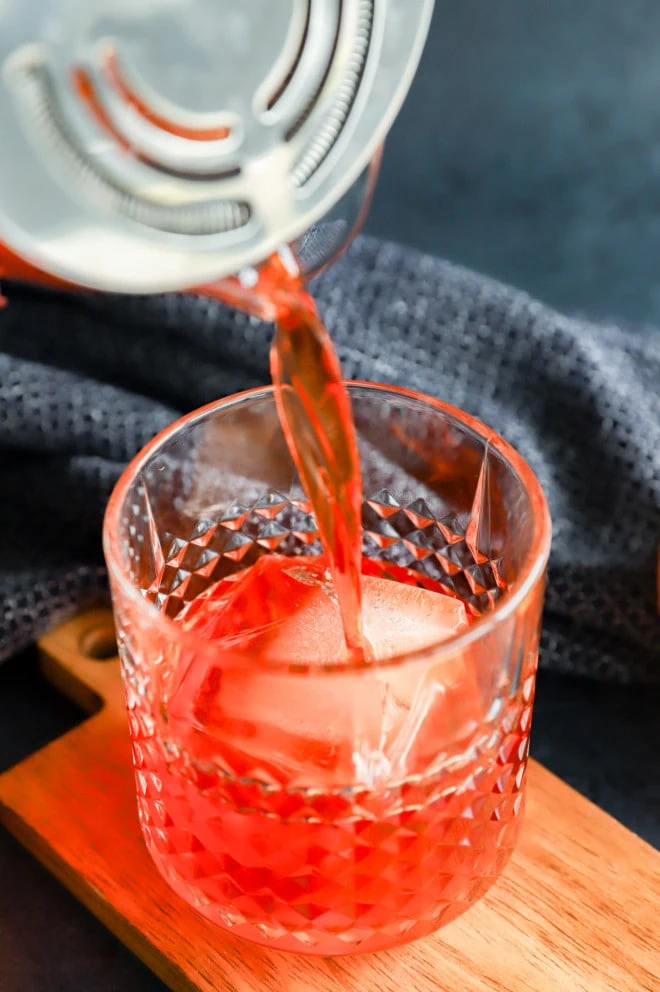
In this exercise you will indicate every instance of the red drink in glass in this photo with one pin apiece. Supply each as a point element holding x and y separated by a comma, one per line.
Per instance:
<point>323,867</point>
<point>296,793</point>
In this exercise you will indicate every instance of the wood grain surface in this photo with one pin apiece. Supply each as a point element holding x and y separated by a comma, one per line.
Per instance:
<point>577,909</point>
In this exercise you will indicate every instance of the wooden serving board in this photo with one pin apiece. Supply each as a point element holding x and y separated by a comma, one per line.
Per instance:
<point>577,909</point>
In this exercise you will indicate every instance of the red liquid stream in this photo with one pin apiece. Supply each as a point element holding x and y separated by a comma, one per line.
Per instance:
<point>315,413</point>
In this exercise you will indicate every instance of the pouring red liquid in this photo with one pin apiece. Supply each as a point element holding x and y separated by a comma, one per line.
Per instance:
<point>316,418</point>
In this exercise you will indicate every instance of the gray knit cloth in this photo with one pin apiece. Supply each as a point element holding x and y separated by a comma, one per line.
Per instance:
<point>86,380</point>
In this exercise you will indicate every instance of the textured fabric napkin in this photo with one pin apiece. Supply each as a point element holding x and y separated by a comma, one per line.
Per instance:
<point>86,380</point>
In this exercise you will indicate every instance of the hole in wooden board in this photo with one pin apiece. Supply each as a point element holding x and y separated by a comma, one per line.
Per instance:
<point>99,643</point>
<point>32,712</point>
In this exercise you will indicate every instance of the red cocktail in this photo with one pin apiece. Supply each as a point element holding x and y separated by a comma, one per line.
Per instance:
<point>300,793</point>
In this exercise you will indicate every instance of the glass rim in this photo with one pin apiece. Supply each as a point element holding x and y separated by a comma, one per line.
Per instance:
<point>531,572</point>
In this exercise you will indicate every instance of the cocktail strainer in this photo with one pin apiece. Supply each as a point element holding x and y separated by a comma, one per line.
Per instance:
<point>153,145</point>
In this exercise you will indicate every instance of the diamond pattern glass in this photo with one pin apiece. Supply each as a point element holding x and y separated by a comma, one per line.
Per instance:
<point>363,852</point>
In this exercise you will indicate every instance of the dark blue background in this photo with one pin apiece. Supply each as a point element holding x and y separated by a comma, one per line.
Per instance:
<point>529,149</point>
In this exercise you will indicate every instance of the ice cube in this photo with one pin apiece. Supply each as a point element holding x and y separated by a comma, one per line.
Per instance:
<point>397,619</point>
<point>239,613</point>
<point>332,727</point>
<point>249,604</point>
